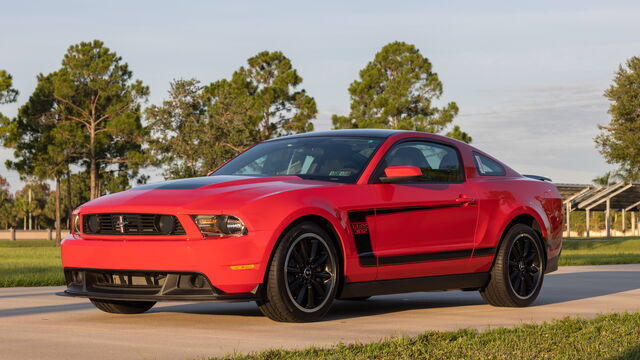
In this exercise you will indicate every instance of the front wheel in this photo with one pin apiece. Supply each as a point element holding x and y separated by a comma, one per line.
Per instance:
<point>518,271</point>
<point>122,307</point>
<point>303,276</point>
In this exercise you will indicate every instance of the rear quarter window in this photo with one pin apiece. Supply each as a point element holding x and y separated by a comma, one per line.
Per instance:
<point>487,167</point>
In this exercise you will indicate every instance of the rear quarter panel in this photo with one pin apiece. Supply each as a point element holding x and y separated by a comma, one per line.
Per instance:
<point>502,199</point>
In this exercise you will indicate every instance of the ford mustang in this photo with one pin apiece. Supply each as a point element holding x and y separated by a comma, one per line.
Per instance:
<point>296,222</point>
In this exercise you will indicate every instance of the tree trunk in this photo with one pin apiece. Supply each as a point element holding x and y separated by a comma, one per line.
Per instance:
<point>25,223</point>
<point>69,200</point>
<point>93,169</point>
<point>29,212</point>
<point>58,220</point>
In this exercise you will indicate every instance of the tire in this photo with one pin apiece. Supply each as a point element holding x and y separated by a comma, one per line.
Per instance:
<point>122,307</point>
<point>518,270</point>
<point>303,277</point>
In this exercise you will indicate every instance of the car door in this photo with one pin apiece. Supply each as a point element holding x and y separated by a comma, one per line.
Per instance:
<point>426,226</point>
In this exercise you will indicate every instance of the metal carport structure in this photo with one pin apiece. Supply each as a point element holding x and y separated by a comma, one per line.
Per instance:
<point>623,197</point>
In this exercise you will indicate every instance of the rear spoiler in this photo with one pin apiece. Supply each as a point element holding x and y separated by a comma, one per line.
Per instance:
<point>536,177</point>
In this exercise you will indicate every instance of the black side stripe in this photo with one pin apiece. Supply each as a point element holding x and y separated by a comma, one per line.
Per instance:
<point>363,239</point>
<point>366,257</point>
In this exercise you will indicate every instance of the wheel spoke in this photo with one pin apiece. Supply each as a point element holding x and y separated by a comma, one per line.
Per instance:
<point>528,279</point>
<point>301,294</point>
<point>323,275</point>
<point>314,250</point>
<point>513,275</point>
<point>533,269</point>
<point>512,263</point>
<point>527,246</point>
<point>523,288</point>
<point>296,257</point>
<point>516,283</point>
<point>310,298</point>
<point>517,249</point>
<point>321,261</point>
<point>319,289</point>
<point>305,250</point>
<point>293,270</point>
<point>531,257</point>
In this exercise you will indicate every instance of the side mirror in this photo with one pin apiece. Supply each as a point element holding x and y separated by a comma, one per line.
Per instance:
<point>401,173</point>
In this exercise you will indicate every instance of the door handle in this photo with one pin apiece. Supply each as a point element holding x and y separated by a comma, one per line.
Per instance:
<point>465,200</point>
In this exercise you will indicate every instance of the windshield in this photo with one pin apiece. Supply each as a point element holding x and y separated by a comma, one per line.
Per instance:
<point>340,159</point>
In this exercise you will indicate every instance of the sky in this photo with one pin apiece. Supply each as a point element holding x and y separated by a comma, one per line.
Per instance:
<point>528,77</point>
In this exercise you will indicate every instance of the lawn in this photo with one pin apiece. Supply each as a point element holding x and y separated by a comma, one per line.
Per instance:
<point>605,337</point>
<point>30,263</point>
<point>37,262</point>
<point>600,252</point>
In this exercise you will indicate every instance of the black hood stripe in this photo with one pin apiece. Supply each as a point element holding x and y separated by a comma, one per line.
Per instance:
<point>190,183</point>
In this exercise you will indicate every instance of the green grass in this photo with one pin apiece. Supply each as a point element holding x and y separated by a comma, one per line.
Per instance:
<point>605,337</point>
<point>600,252</point>
<point>30,263</point>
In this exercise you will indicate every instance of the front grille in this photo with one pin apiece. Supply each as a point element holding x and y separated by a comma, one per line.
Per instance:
<point>130,224</point>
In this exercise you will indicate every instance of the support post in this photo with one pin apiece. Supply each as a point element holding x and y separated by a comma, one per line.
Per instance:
<point>624,222</point>
<point>568,215</point>
<point>587,221</point>
<point>13,234</point>
<point>633,223</point>
<point>607,219</point>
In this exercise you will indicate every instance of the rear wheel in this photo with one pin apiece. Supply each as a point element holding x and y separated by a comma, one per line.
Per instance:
<point>518,271</point>
<point>122,307</point>
<point>303,276</point>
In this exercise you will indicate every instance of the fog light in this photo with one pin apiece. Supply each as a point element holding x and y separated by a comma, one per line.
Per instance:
<point>197,281</point>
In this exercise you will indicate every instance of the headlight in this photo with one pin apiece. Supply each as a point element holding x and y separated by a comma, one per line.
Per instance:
<point>76,224</point>
<point>219,225</point>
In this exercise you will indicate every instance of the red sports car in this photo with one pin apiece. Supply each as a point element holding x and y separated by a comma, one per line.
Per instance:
<point>298,221</point>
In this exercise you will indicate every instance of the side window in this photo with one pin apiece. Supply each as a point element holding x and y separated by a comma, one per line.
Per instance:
<point>486,166</point>
<point>439,163</point>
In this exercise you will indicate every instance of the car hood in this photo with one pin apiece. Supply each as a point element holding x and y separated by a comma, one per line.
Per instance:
<point>209,193</point>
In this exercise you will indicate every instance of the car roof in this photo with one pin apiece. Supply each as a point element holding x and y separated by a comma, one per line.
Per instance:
<point>370,133</point>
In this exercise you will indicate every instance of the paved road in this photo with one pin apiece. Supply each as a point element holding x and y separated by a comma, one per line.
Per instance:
<point>35,324</point>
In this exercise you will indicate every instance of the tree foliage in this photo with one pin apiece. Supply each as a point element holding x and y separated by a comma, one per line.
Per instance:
<point>95,89</point>
<point>7,93</point>
<point>178,127</point>
<point>397,91</point>
<point>618,140</point>
<point>198,128</point>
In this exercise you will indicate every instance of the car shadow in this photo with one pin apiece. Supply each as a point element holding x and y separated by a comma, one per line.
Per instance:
<point>557,288</point>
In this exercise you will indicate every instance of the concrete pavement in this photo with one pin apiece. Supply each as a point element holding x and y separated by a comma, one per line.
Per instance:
<point>35,324</point>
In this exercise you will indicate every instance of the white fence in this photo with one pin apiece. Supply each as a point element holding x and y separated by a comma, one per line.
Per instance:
<point>14,234</point>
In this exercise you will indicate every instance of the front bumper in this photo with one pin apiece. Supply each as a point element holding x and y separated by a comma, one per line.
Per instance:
<point>216,259</point>
<point>146,286</point>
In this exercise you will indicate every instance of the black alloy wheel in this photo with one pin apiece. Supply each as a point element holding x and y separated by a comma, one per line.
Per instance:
<point>525,262</point>
<point>518,269</point>
<point>303,276</point>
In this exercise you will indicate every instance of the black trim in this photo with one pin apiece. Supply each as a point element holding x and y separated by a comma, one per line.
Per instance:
<point>429,283</point>
<point>367,257</point>
<point>159,286</point>
<point>552,264</point>
<point>485,252</point>
<point>363,240</point>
